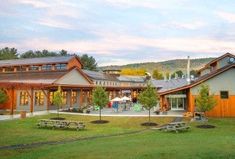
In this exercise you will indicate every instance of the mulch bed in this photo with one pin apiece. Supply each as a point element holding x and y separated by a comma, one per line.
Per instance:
<point>206,126</point>
<point>57,118</point>
<point>99,121</point>
<point>149,124</point>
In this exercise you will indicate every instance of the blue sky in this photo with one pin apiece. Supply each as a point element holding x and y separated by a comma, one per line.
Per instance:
<point>121,31</point>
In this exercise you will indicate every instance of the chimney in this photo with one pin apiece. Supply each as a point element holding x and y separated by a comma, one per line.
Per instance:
<point>188,71</point>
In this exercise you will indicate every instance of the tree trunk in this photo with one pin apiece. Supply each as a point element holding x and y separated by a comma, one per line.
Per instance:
<point>149,115</point>
<point>100,114</point>
<point>58,109</point>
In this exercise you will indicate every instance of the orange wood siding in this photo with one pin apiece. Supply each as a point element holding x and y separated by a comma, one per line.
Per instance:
<point>224,107</point>
<point>74,63</point>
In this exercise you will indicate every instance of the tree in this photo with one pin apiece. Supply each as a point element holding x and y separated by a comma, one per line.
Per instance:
<point>204,101</point>
<point>133,72</point>
<point>57,99</point>
<point>179,74</point>
<point>194,73</point>
<point>100,98</point>
<point>148,98</point>
<point>3,96</point>
<point>8,53</point>
<point>157,75</point>
<point>63,52</point>
<point>88,62</point>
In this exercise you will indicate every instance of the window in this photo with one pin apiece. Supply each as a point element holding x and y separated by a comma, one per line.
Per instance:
<point>51,98</point>
<point>34,68</point>
<point>9,69</point>
<point>39,98</point>
<point>224,94</point>
<point>74,97</point>
<point>46,67</point>
<point>24,98</point>
<point>64,95</point>
<point>60,66</point>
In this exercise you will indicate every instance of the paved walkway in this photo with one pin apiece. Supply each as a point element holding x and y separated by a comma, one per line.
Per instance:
<point>105,112</point>
<point>17,116</point>
<point>130,113</point>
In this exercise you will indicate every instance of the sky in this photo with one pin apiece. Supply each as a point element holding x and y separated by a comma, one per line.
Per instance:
<point>119,32</point>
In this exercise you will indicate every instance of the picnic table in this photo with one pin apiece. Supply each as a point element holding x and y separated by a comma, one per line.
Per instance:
<point>176,126</point>
<point>63,124</point>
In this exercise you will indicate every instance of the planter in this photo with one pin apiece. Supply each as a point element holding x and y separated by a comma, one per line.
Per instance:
<point>23,114</point>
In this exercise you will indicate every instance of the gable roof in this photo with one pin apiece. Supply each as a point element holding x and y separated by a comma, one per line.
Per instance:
<point>200,80</point>
<point>39,77</point>
<point>217,59</point>
<point>99,75</point>
<point>34,61</point>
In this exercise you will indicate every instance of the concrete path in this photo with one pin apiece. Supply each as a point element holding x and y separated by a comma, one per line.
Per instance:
<point>17,116</point>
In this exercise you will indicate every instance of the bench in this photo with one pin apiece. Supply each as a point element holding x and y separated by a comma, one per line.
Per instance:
<point>176,127</point>
<point>61,124</point>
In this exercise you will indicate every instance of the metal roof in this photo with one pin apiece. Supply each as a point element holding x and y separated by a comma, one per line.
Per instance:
<point>165,85</point>
<point>31,61</point>
<point>32,77</point>
<point>125,78</point>
<point>99,75</point>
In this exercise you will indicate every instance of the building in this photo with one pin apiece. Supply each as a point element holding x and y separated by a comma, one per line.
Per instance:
<point>31,83</point>
<point>219,74</point>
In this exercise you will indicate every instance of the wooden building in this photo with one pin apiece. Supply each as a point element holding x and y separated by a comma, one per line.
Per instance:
<point>219,74</point>
<point>30,83</point>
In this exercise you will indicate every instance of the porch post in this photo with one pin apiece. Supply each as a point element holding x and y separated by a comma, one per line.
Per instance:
<point>12,101</point>
<point>70,100</point>
<point>31,100</point>
<point>48,99</point>
<point>190,101</point>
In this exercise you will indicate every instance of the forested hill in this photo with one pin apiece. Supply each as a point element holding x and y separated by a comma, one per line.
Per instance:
<point>165,66</point>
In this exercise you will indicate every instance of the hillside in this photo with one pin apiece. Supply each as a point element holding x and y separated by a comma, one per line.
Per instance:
<point>165,66</point>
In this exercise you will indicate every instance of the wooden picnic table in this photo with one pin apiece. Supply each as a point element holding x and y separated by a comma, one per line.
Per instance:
<point>176,126</point>
<point>65,124</point>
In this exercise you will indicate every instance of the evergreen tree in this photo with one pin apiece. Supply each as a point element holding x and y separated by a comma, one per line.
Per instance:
<point>88,62</point>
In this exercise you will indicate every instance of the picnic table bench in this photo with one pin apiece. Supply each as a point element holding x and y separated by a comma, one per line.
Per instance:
<point>176,126</point>
<point>63,124</point>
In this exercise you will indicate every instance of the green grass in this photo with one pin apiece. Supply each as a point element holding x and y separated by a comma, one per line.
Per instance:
<point>197,143</point>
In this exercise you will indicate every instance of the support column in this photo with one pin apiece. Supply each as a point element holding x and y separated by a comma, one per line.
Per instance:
<point>12,101</point>
<point>70,99</point>
<point>81,98</point>
<point>31,100</point>
<point>48,99</point>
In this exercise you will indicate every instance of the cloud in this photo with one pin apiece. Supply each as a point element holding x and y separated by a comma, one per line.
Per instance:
<point>54,23</point>
<point>35,3</point>
<point>229,17</point>
<point>191,26</point>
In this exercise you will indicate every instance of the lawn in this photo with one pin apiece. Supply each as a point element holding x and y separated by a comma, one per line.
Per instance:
<point>197,143</point>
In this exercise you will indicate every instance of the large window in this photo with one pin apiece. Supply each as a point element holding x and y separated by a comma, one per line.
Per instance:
<point>64,95</point>
<point>9,69</point>
<point>24,98</point>
<point>39,98</point>
<point>60,66</point>
<point>46,67</point>
<point>34,68</point>
<point>74,97</point>
<point>224,95</point>
<point>51,98</point>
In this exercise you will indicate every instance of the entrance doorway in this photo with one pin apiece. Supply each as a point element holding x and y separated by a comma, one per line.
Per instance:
<point>177,101</point>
